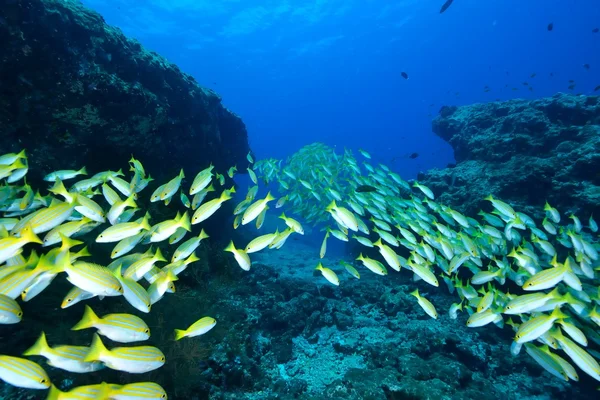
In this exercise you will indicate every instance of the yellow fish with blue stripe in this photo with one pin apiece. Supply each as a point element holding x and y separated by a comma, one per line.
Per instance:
<point>135,360</point>
<point>123,328</point>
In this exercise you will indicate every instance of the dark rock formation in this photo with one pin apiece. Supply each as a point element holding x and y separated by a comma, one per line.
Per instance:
<point>75,91</point>
<point>524,152</point>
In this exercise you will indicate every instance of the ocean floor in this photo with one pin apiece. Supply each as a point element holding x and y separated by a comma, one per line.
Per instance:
<point>286,333</point>
<point>369,339</point>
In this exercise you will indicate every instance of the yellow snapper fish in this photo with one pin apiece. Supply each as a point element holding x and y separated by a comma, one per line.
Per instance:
<point>578,355</point>
<point>373,265</point>
<point>345,216</point>
<point>261,242</point>
<point>198,328</point>
<point>255,209</point>
<point>92,278</point>
<point>11,246</point>
<point>172,186</point>
<point>10,311</point>
<point>123,230</point>
<point>134,293</point>
<point>138,391</point>
<point>126,245</point>
<point>74,296</point>
<point>10,158</point>
<point>163,230</point>
<point>538,326</point>
<point>328,274</point>
<point>135,360</point>
<point>23,373</point>
<point>117,209</point>
<point>98,391</point>
<point>161,284</point>
<point>350,269</point>
<point>141,266</point>
<point>188,247</point>
<point>425,304</point>
<point>240,256</point>
<point>207,209</point>
<point>68,358</point>
<point>202,180</point>
<point>122,328</point>
<point>64,174</point>
<point>292,223</point>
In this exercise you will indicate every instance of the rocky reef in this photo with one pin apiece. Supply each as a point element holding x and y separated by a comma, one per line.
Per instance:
<point>75,91</point>
<point>525,152</point>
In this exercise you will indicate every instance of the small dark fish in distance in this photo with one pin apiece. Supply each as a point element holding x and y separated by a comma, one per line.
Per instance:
<point>532,75</point>
<point>586,66</point>
<point>366,189</point>
<point>404,75</point>
<point>447,4</point>
<point>597,88</point>
<point>571,81</point>
<point>571,87</point>
<point>413,155</point>
<point>595,30</point>
<point>550,26</point>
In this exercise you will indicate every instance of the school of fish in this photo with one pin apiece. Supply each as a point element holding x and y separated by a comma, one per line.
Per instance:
<point>537,278</point>
<point>554,317</point>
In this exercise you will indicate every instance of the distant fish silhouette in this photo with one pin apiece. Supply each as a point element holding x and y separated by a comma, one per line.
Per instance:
<point>532,75</point>
<point>366,189</point>
<point>597,88</point>
<point>415,155</point>
<point>586,66</point>
<point>595,30</point>
<point>404,75</point>
<point>447,4</point>
<point>550,26</point>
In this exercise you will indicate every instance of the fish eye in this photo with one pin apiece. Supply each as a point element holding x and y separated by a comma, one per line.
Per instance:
<point>43,380</point>
<point>164,396</point>
<point>146,330</point>
<point>69,300</point>
<point>162,359</point>
<point>20,314</point>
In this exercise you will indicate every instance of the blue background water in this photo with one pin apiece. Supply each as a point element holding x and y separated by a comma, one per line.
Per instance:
<point>329,70</point>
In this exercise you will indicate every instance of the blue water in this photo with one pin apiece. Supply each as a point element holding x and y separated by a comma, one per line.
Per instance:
<point>304,71</point>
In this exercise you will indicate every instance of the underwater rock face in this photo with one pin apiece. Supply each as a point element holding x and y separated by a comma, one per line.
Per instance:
<point>75,91</point>
<point>525,152</point>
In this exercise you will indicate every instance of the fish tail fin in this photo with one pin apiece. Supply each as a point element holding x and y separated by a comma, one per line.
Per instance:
<point>230,247</point>
<point>30,236</point>
<point>159,256</point>
<point>82,171</point>
<point>97,349</point>
<point>331,206</point>
<point>203,235</point>
<point>54,394</point>
<point>181,174</point>
<point>87,321</point>
<point>179,334</point>
<point>192,258</point>
<point>131,201</point>
<point>39,347</point>
<point>185,223</point>
<point>269,197</point>
<point>360,256</point>
<point>282,216</point>
<point>415,292</point>
<point>21,154</point>
<point>146,222</point>
<point>557,313</point>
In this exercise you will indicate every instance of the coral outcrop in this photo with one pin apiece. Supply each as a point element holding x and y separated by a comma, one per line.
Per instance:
<point>524,152</point>
<point>75,91</point>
